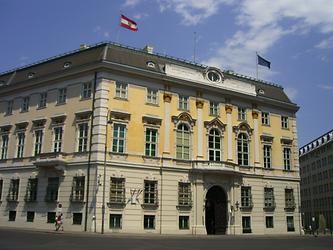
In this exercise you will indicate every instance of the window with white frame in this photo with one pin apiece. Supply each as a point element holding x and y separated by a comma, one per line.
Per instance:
<point>289,198</point>
<point>20,144</point>
<point>284,122</point>
<point>241,113</point>
<point>287,158</point>
<point>9,108</point>
<point>246,197</point>
<point>52,189</point>
<point>82,137</point>
<point>214,145</point>
<point>213,108</point>
<point>183,103</point>
<point>117,190</point>
<point>38,142</point>
<point>267,156</point>
<point>42,100</point>
<point>265,118</point>
<point>183,142</point>
<point>151,142</point>
<point>13,190</point>
<point>121,90</point>
<point>119,137</point>
<point>184,194</point>
<point>62,95</point>
<point>269,201</point>
<point>86,90</point>
<point>243,149</point>
<point>31,192</point>
<point>25,104</point>
<point>57,139</point>
<point>152,96</point>
<point>78,189</point>
<point>4,146</point>
<point>150,192</point>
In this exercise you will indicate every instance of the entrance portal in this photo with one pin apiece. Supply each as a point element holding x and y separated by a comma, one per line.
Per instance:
<point>216,211</point>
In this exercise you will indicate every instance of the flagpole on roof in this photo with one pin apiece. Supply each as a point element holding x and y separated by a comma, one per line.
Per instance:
<point>118,28</point>
<point>257,63</point>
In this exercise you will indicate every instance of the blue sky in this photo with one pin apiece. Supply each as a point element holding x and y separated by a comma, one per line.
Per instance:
<point>296,36</point>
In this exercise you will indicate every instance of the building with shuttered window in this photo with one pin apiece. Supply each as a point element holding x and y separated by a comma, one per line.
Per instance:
<point>120,139</point>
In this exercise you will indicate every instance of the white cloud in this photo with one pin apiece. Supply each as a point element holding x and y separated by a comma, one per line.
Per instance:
<point>326,43</point>
<point>131,3</point>
<point>106,34</point>
<point>291,92</point>
<point>325,87</point>
<point>140,16</point>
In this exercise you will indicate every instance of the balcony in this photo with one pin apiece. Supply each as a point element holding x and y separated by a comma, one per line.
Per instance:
<point>216,166</point>
<point>56,160</point>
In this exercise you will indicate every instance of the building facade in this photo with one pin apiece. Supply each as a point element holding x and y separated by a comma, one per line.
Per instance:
<point>126,140</point>
<point>316,170</point>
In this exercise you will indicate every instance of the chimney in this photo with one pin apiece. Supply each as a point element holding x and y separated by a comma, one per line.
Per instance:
<point>84,46</point>
<point>149,49</point>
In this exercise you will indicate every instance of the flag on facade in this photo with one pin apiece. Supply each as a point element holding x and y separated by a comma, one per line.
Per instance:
<point>128,23</point>
<point>263,62</point>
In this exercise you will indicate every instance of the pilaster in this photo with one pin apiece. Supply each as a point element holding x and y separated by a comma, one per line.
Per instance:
<point>199,105</point>
<point>167,97</point>
<point>228,109</point>
<point>255,115</point>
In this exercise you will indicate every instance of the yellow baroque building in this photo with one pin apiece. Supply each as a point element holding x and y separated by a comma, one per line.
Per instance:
<point>119,139</point>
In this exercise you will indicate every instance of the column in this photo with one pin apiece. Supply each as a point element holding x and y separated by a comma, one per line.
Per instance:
<point>200,105</point>
<point>228,109</point>
<point>255,115</point>
<point>167,100</point>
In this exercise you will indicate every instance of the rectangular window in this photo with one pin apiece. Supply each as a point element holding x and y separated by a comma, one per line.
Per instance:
<point>9,109</point>
<point>119,136</point>
<point>184,222</point>
<point>12,215</point>
<point>38,142</point>
<point>267,156</point>
<point>13,190</point>
<point>183,142</point>
<point>117,190</point>
<point>213,108</point>
<point>152,96</point>
<point>62,95</point>
<point>269,222</point>
<point>20,144</point>
<point>78,189</point>
<point>265,118</point>
<point>149,222</point>
<point>287,158</point>
<point>31,192</point>
<point>82,137</point>
<point>4,146</point>
<point>30,216</point>
<point>183,103</point>
<point>151,142</point>
<point>77,218</point>
<point>52,189</point>
<point>290,224</point>
<point>121,90</point>
<point>284,122</point>
<point>1,185</point>
<point>57,141</point>
<point>289,198</point>
<point>246,224</point>
<point>241,114</point>
<point>51,217</point>
<point>115,221</point>
<point>86,90</point>
<point>184,194</point>
<point>42,100</point>
<point>25,104</point>
<point>150,192</point>
<point>269,201</point>
<point>246,197</point>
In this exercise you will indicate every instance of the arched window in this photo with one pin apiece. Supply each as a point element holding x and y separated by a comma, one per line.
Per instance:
<point>183,142</point>
<point>214,145</point>
<point>243,149</point>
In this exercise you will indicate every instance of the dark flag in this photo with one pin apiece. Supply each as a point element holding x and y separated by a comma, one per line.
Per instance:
<point>263,62</point>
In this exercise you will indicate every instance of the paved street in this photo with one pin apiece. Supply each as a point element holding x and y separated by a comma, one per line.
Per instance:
<point>23,239</point>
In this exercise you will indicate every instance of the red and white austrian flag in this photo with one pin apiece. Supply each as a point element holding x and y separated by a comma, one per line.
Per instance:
<point>128,23</point>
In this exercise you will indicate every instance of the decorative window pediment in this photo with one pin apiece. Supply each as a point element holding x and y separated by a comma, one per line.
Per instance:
<point>267,138</point>
<point>183,117</point>
<point>243,127</point>
<point>120,115</point>
<point>215,123</point>
<point>151,120</point>
<point>286,141</point>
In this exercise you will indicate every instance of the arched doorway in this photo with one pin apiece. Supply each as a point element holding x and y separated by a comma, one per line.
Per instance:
<point>216,211</point>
